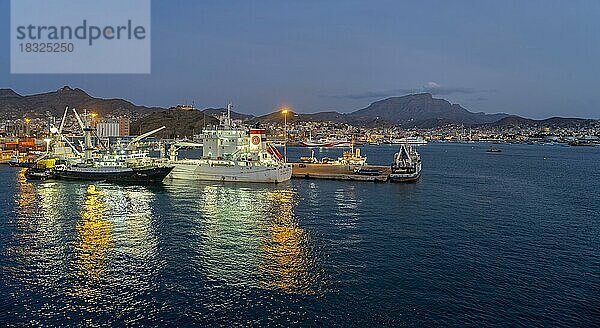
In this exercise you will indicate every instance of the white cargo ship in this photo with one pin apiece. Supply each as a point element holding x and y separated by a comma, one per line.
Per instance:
<point>232,153</point>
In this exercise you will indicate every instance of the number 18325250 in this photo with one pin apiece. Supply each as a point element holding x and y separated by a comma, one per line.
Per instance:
<point>50,47</point>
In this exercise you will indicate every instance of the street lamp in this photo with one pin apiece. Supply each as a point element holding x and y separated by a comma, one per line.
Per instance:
<point>27,121</point>
<point>47,140</point>
<point>284,111</point>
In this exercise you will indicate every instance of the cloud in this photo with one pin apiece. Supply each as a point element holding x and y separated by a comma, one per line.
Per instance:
<point>430,87</point>
<point>436,89</point>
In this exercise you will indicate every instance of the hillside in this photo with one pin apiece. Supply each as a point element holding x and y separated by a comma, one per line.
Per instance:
<point>11,103</point>
<point>216,112</point>
<point>420,110</point>
<point>179,123</point>
<point>415,110</point>
<point>553,121</point>
<point>292,117</point>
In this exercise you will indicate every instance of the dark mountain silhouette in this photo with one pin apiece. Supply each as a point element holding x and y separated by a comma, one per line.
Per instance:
<point>421,110</point>
<point>415,110</point>
<point>418,110</point>
<point>216,112</point>
<point>11,103</point>
<point>513,120</point>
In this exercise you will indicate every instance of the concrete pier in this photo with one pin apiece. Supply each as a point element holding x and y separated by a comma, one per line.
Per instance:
<point>337,172</point>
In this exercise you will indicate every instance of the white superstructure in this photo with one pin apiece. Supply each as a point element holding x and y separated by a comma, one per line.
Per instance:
<point>232,153</point>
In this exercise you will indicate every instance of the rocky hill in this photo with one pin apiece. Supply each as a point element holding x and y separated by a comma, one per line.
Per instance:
<point>11,103</point>
<point>415,110</point>
<point>179,123</point>
<point>418,110</point>
<point>553,121</point>
<point>421,110</point>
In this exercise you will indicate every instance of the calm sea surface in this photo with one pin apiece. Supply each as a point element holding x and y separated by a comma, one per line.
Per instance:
<point>504,239</point>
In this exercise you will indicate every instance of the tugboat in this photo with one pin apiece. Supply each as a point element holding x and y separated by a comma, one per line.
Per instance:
<point>309,160</point>
<point>352,157</point>
<point>43,169</point>
<point>406,166</point>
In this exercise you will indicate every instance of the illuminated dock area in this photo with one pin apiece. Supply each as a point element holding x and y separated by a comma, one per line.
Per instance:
<point>338,172</point>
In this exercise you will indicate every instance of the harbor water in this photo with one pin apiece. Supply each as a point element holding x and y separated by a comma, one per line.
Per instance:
<point>483,239</point>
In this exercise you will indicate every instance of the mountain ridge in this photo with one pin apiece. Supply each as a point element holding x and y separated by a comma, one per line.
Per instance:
<point>409,111</point>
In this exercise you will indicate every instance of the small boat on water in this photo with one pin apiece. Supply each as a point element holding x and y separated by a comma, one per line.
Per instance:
<point>410,140</point>
<point>309,160</point>
<point>407,165</point>
<point>352,157</point>
<point>325,143</point>
<point>579,143</point>
<point>493,150</point>
<point>15,161</point>
<point>43,169</point>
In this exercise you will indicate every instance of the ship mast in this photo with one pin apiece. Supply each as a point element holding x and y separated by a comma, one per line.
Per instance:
<point>87,133</point>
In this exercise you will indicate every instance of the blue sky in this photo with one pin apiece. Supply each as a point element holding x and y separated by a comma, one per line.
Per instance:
<point>532,58</point>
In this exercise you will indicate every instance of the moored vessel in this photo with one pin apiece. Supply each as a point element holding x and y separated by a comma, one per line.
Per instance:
<point>121,164</point>
<point>407,165</point>
<point>410,141</point>
<point>231,153</point>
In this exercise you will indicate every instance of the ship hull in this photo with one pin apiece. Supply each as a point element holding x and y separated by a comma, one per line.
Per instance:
<point>197,170</point>
<point>156,174</point>
<point>405,178</point>
<point>19,164</point>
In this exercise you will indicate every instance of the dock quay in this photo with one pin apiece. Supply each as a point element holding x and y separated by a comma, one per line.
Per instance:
<point>338,172</point>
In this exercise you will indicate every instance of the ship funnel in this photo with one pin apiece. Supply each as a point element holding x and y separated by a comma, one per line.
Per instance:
<point>258,139</point>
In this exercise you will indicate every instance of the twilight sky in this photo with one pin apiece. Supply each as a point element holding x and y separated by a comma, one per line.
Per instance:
<point>531,58</point>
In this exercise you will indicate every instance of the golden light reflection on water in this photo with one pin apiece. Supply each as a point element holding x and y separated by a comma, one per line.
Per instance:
<point>94,239</point>
<point>251,236</point>
<point>26,195</point>
<point>286,248</point>
<point>81,245</point>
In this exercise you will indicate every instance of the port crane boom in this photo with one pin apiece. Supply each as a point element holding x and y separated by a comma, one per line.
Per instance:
<point>145,135</point>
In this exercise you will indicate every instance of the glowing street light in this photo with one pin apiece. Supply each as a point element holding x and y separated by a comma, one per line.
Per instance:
<point>285,111</point>
<point>47,140</point>
<point>27,121</point>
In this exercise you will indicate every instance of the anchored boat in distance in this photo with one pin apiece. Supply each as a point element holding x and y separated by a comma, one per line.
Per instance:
<point>407,165</point>
<point>410,140</point>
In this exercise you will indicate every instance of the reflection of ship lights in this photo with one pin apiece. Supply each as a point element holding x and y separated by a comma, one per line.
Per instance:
<point>96,248</point>
<point>287,249</point>
<point>94,241</point>
<point>26,195</point>
<point>253,238</point>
